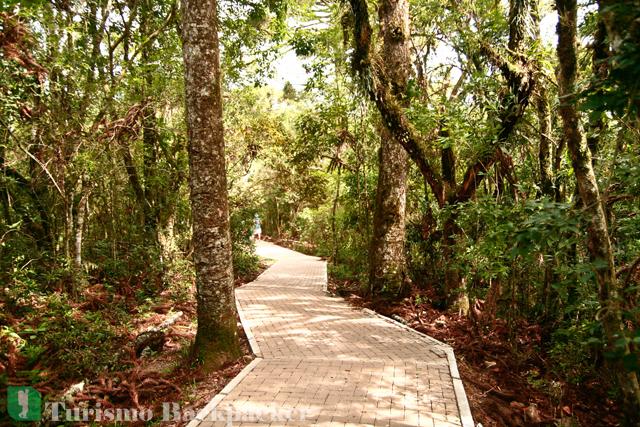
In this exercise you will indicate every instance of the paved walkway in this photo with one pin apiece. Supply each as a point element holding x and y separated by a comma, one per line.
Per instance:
<point>321,362</point>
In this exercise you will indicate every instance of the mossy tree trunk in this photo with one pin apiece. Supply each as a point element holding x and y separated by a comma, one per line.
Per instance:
<point>545,147</point>
<point>387,264</point>
<point>216,340</point>
<point>598,239</point>
<point>371,68</point>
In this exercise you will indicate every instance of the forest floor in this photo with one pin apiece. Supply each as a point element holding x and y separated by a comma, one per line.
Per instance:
<point>507,380</point>
<point>145,381</point>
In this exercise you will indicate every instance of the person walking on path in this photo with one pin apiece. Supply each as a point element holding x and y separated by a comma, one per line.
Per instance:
<point>257,227</point>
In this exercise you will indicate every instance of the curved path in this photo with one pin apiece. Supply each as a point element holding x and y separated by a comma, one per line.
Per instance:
<point>320,362</point>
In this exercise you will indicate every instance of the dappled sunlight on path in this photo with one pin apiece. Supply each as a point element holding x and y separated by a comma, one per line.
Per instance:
<point>321,362</point>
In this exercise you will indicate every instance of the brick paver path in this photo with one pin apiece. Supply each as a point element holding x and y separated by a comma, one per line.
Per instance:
<point>321,362</point>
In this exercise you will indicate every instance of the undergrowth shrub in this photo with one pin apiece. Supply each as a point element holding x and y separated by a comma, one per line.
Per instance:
<point>80,343</point>
<point>245,261</point>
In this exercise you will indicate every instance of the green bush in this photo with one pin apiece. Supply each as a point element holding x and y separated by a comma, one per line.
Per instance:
<point>83,343</point>
<point>245,261</point>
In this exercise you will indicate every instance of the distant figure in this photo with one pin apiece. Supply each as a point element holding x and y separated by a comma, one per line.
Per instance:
<point>23,401</point>
<point>257,227</point>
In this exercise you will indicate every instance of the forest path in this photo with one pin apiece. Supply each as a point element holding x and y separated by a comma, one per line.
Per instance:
<point>321,362</point>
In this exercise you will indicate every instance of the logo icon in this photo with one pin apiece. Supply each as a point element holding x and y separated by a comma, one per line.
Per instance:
<point>23,403</point>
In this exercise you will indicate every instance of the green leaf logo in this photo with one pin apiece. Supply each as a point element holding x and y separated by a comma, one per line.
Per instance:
<point>24,403</point>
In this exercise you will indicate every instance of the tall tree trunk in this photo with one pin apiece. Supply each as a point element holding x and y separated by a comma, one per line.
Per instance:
<point>599,242</point>
<point>558,156</point>
<point>68,224</point>
<point>455,294</point>
<point>150,136</point>
<point>545,126</point>
<point>165,234</point>
<point>136,183</point>
<point>77,261</point>
<point>334,210</point>
<point>383,91</point>
<point>599,57</point>
<point>151,188</point>
<point>216,340</point>
<point>277,219</point>
<point>386,257</point>
<point>81,212</point>
<point>545,146</point>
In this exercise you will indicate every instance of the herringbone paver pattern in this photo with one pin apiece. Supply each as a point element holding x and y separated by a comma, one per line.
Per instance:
<point>324,363</point>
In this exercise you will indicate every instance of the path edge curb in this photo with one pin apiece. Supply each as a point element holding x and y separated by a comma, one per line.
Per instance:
<point>325,285</point>
<point>253,343</point>
<point>458,387</point>
<point>209,407</point>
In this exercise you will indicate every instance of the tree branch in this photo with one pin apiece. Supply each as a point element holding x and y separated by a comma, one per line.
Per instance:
<point>374,82</point>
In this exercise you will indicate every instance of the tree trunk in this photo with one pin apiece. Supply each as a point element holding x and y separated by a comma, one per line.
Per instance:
<point>334,229</point>
<point>546,184</point>
<point>557,164</point>
<point>150,136</point>
<point>599,57</point>
<point>545,147</point>
<point>165,234</point>
<point>599,242</point>
<point>456,295</point>
<point>545,125</point>
<point>386,256</point>
<point>78,274</point>
<point>68,224</point>
<point>278,219</point>
<point>389,100</point>
<point>216,340</point>
<point>136,185</point>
